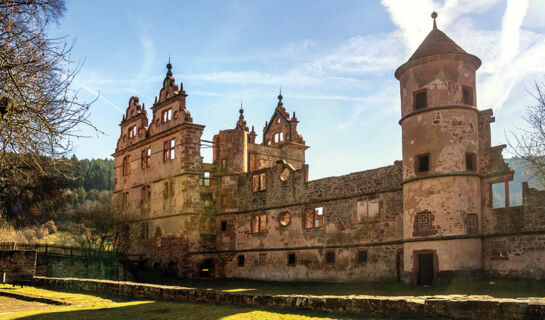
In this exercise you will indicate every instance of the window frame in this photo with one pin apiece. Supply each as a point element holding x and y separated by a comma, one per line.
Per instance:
<point>259,182</point>
<point>126,168</point>
<point>169,150</point>
<point>146,158</point>
<point>132,131</point>
<point>316,222</point>
<point>259,220</point>
<point>166,115</point>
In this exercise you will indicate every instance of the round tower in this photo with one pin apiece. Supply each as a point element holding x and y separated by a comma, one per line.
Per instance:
<point>441,180</point>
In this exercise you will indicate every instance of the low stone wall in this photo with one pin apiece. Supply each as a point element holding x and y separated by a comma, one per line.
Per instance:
<point>421,307</point>
<point>17,264</point>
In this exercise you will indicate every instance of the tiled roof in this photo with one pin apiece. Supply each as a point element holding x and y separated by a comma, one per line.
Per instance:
<point>437,42</point>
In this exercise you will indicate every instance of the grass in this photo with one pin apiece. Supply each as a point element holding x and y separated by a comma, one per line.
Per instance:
<point>98,306</point>
<point>499,288</point>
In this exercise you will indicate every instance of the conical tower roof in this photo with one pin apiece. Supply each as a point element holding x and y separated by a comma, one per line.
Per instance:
<point>436,43</point>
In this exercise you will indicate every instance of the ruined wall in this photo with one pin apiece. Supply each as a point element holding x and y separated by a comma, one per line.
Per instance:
<point>17,264</point>
<point>515,243</point>
<point>361,212</point>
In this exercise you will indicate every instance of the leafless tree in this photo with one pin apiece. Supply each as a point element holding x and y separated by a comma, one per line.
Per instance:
<point>40,113</point>
<point>529,144</point>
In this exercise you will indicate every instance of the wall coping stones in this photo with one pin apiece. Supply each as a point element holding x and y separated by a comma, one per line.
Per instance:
<point>440,306</point>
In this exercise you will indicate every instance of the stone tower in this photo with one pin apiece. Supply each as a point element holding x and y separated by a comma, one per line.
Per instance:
<point>441,183</point>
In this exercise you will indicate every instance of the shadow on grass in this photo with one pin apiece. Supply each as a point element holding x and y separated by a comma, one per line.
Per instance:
<point>175,310</point>
<point>500,288</point>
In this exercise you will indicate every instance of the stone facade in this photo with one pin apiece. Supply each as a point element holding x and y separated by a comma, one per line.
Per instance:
<point>253,213</point>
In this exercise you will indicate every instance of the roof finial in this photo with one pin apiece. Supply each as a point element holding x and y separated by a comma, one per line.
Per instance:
<point>280,96</point>
<point>434,16</point>
<point>241,111</point>
<point>169,67</point>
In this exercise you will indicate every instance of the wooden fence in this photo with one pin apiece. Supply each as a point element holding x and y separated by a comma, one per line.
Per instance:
<point>56,250</point>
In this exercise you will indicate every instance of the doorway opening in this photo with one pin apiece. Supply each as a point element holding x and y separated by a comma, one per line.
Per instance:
<point>425,269</point>
<point>207,269</point>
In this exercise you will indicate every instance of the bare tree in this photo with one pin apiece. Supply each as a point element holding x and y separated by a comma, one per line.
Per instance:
<point>39,111</point>
<point>529,144</point>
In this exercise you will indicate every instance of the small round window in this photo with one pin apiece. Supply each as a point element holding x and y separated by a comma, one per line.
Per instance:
<point>284,218</point>
<point>284,174</point>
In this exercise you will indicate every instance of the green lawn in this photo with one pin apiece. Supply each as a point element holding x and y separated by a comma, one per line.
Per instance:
<point>500,288</point>
<point>98,306</point>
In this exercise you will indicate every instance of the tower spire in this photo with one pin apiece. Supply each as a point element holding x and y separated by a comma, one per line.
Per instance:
<point>169,67</point>
<point>434,16</point>
<point>241,123</point>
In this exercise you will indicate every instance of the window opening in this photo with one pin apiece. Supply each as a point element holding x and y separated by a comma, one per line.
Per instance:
<point>259,223</point>
<point>291,259</point>
<point>241,260</point>
<point>166,115</point>
<point>471,163</point>
<point>314,217</point>
<point>169,150</point>
<point>126,165</point>
<point>362,256</point>
<point>259,182</point>
<point>132,132</point>
<point>468,95</point>
<point>330,257</point>
<point>420,100</point>
<point>423,163</point>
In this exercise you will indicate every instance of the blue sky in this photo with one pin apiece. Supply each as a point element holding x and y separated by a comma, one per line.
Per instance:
<point>335,62</point>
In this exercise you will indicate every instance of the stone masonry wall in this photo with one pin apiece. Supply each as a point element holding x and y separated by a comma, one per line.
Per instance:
<point>362,216</point>
<point>517,248</point>
<point>17,264</point>
<point>453,307</point>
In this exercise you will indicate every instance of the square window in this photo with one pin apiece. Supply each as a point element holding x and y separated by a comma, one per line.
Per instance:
<point>166,115</point>
<point>224,226</point>
<point>362,256</point>
<point>259,223</point>
<point>330,257</point>
<point>471,163</point>
<point>468,95</point>
<point>420,100</point>
<point>241,260</point>
<point>291,259</point>
<point>314,217</point>
<point>423,163</point>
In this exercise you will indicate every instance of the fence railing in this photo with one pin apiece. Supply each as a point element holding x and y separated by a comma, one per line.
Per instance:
<point>57,250</point>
